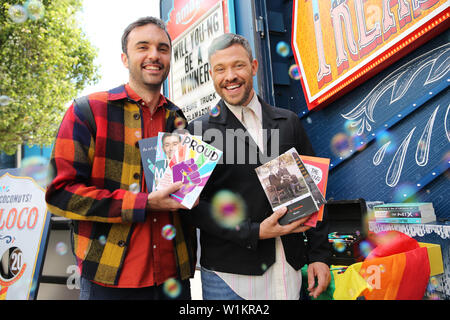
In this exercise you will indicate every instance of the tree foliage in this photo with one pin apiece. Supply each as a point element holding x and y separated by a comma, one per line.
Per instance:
<point>45,61</point>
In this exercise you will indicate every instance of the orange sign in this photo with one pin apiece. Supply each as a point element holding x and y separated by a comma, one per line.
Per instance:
<point>339,44</point>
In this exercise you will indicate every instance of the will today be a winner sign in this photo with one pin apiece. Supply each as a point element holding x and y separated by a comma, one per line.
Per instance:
<point>23,227</point>
<point>193,25</point>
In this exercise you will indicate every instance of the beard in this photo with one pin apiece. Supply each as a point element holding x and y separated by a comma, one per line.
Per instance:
<point>152,82</point>
<point>221,90</point>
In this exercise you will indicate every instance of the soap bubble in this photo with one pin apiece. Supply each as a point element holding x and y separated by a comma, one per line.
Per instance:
<point>179,123</point>
<point>4,101</point>
<point>37,168</point>
<point>134,187</point>
<point>405,191</point>
<point>228,209</point>
<point>61,248</point>
<point>17,13</point>
<point>168,232</point>
<point>283,49</point>
<point>215,111</point>
<point>433,284</point>
<point>339,245</point>
<point>358,142</point>
<point>365,248</point>
<point>341,145</point>
<point>385,137</point>
<point>294,72</point>
<point>172,288</point>
<point>350,127</point>
<point>35,9</point>
<point>102,240</point>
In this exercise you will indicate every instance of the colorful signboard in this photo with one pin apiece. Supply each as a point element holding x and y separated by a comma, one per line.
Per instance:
<point>193,24</point>
<point>24,225</point>
<point>339,44</point>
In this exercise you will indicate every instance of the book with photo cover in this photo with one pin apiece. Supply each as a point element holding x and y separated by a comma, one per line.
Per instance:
<point>147,147</point>
<point>191,161</point>
<point>318,169</point>
<point>285,186</point>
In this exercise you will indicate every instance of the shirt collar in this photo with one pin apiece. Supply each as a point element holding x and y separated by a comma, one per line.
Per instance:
<point>134,96</point>
<point>254,104</point>
<point>125,92</point>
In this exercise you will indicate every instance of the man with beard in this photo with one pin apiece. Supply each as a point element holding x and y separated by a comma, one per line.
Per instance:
<point>257,258</point>
<point>99,183</point>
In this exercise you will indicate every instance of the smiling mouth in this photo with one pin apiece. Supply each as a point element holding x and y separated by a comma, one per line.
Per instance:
<point>152,67</point>
<point>232,87</point>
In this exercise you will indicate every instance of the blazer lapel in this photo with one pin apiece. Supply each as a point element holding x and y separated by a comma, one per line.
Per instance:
<point>229,121</point>
<point>270,121</point>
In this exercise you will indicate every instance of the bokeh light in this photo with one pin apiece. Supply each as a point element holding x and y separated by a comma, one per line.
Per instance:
<point>384,137</point>
<point>61,248</point>
<point>341,145</point>
<point>102,240</point>
<point>4,100</point>
<point>283,49</point>
<point>339,245</point>
<point>35,9</point>
<point>358,142</point>
<point>350,127</point>
<point>215,111</point>
<point>179,123</point>
<point>228,209</point>
<point>168,232</point>
<point>134,187</point>
<point>405,191</point>
<point>37,168</point>
<point>294,72</point>
<point>17,13</point>
<point>172,288</point>
<point>365,247</point>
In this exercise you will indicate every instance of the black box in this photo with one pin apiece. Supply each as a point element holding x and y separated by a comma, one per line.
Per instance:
<point>348,227</point>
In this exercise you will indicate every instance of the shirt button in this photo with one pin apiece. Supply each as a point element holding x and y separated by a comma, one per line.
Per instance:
<point>137,116</point>
<point>154,246</point>
<point>136,176</point>
<point>154,220</point>
<point>121,243</point>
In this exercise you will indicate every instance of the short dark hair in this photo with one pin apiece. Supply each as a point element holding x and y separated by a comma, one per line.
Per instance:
<point>227,40</point>
<point>143,22</point>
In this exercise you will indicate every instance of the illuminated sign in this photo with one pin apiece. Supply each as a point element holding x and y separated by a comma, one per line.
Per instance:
<point>339,44</point>
<point>193,24</point>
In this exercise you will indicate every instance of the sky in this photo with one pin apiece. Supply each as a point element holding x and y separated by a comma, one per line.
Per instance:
<point>103,22</point>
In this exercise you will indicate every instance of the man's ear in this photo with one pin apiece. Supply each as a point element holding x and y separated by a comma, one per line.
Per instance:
<point>124,58</point>
<point>254,67</point>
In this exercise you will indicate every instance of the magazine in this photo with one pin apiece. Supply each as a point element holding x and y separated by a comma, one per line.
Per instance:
<point>285,185</point>
<point>147,148</point>
<point>318,170</point>
<point>188,159</point>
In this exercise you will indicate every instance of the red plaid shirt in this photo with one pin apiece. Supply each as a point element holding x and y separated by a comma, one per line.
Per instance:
<point>91,187</point>
<point>150,258</point>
